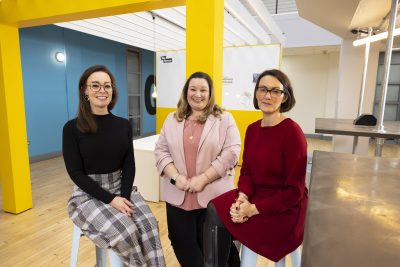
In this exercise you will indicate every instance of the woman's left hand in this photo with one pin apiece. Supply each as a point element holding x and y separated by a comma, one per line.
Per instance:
<point>235,216</point>
<point>247,210</point>
<point>197,183</point>
<point>123,205</point>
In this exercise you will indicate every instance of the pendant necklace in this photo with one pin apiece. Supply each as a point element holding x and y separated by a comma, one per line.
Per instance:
<point>191,129</point>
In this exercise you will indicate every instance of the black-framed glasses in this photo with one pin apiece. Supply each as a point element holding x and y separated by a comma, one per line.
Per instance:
<point>274,92</point>
<point>96,87</point>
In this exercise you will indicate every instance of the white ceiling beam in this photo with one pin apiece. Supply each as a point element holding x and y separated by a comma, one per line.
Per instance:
<point>237,10</point>
<point>239,30</point>
<point>108,32</point>
<point>172,15</point>
<point>229,38</point>
<point>164,31</point>
<point>232,39</point>
<point>172,28</point>
<point>78,27</point>
<point>143,32</point>
<point>110,27</point>
<point>264,15</point>
<point>181,10</point>
<point>148,24</point>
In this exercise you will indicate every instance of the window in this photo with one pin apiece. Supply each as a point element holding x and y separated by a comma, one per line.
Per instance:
<point>134,108</point>
<point>392,105</point>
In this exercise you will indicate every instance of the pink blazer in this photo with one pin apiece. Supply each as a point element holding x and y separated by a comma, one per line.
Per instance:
<point>219,146</point>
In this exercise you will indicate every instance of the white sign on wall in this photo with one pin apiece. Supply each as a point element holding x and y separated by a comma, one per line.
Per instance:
<point>241,66</point>
<point>170,77</point>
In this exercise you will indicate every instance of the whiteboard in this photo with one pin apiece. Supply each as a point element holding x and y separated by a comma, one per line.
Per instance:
<point>241,67</point>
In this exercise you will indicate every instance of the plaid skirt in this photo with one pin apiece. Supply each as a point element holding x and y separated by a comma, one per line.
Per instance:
<point>135,239</point>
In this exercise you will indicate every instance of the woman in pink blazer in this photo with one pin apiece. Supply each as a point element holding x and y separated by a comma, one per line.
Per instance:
<point>196,153</point>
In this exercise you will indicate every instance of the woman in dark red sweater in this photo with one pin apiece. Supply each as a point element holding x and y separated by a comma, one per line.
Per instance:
<point>267,211</point>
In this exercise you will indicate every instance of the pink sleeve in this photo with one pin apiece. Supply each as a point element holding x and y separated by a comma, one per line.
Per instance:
<point>228,157</point>
<point>161,151</point>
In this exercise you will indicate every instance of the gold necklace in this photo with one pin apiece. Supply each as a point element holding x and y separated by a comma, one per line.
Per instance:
<point>191,129</point>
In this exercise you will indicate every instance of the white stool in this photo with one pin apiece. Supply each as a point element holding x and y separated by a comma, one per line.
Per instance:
<point>115,261</point>
<point>249,258</point>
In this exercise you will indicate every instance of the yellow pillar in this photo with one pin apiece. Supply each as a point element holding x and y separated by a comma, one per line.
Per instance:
<point>204,40</point>
<point>14,161</point>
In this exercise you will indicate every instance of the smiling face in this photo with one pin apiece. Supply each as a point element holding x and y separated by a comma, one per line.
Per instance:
<point>99,100</point>
<point>198,94</point>
<point>268,102</point>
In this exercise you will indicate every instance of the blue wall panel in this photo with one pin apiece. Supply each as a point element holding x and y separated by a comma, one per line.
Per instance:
<point>44,88</point>
<point>51,87</point>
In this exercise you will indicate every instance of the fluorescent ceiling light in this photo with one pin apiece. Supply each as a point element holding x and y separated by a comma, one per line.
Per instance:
<point>374,38</point>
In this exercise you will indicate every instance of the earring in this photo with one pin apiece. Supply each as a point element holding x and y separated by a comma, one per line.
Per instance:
<point>86,98</point>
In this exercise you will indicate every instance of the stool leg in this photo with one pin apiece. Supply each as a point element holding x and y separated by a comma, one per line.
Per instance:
<point>100,257</point>
<point>248,257</point>
<point>281,263</point>
<point>76,235</point>
<point>115,260</point>
<point>296,257</point>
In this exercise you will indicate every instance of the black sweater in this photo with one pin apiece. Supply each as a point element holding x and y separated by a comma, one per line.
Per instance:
<point>106,151</point>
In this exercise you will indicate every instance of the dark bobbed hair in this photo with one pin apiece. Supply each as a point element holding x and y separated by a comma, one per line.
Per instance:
<point>183,108</point>
<point>290,101</point>
<point>85,119</point>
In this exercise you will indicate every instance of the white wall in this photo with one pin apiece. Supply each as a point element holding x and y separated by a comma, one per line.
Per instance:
<point>314,78</point>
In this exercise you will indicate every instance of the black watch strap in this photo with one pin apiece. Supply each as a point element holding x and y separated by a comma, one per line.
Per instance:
<point>172,180</point>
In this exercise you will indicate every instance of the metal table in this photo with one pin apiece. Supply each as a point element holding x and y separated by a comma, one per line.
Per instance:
<point>353,217</point>
<point>346,127</point>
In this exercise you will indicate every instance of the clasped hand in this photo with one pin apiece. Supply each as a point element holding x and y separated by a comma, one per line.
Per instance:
<point>192,185</point>
<point>241,210</point>
<point>123,205</point>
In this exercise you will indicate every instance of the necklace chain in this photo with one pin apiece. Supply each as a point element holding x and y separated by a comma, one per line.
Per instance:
<point>191,122</point>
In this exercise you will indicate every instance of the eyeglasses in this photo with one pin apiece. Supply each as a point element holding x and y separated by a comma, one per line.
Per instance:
<point>96,87</point>
<point>274,92</point>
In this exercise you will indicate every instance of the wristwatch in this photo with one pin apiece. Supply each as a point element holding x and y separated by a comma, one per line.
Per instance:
<point>173,178</point>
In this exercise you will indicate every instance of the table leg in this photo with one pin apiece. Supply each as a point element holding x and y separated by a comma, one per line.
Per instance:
<point>378,146</point>
<point>355,143</point>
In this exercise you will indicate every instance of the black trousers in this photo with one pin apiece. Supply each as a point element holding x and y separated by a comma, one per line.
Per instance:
<point>185,230</point>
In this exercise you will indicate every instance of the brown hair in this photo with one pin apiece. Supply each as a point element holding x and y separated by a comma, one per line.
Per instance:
<point>183,108</point>
<point>85,119</point>
<point>287,89</point>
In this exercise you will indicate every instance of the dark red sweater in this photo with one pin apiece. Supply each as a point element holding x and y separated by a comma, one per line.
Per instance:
<point>273,177</point>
